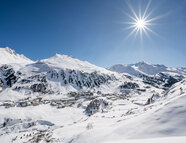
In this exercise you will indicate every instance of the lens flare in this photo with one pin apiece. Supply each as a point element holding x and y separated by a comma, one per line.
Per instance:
<point>141,23</point>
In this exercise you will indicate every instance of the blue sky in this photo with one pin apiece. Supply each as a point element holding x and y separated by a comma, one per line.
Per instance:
<point>92,30</point>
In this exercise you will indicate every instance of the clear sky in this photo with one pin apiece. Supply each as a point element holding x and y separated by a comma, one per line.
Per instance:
<point>92,30</point>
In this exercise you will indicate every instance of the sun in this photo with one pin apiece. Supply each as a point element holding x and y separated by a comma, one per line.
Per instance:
<point>141,22</point>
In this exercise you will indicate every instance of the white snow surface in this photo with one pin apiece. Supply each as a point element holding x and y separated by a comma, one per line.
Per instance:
<point>69,62</point>
<point>152,140</point>
<point>9,56</point>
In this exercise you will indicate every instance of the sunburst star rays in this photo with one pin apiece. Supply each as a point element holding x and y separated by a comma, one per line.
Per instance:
<point>141,22</point>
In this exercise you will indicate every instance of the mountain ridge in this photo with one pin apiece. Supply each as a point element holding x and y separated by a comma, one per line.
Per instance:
<point>9,56</point>
<point>141,68</point>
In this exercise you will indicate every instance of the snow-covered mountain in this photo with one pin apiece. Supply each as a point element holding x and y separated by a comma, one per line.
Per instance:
<point>9,56</point>
<point>68,62</point>
<point>63,99</point>
<point>145,68</point>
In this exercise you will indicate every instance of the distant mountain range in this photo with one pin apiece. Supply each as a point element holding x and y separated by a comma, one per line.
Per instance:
<point>145,68</point>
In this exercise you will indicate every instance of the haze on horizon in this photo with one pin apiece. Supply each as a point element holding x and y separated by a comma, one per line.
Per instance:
<point>92,31</point>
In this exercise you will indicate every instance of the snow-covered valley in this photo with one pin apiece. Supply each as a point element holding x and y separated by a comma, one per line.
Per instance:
<point>62,99</point>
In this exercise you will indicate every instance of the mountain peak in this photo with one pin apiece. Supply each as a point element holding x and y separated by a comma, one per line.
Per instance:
<point>69,62</point>
<point>7,56</point>
<point>11,51</point>
<point>62,56</point>
<point>143,63</point>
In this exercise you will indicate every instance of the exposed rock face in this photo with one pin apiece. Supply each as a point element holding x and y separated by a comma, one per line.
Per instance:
<point>96,105</point>
<point>7,76</point>
<point>161,80</point>
<point>129,85</point>
<point>1,83</point>
<point>77,79</point>
<point>80,79</point>
<point>152,99</point>
<point>34,83</point>
<point>40,87</point>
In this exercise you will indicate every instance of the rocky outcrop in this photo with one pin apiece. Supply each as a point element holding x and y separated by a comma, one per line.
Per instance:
<point>75,78</point>
<point>39,87</point>
<point>129,85</point>
<point>1,83</point>
<point>80,79</point>
<point>7,76</point>
<point>96,105</point>
<point>152,99</point>
<point>161,80</point>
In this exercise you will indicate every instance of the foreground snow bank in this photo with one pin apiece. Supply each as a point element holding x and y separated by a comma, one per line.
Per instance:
<point>153,140</point>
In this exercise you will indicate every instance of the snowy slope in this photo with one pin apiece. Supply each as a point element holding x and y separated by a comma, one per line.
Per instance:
<point>9,56</point>
<point>68,62</point>
<point>177,139</point>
